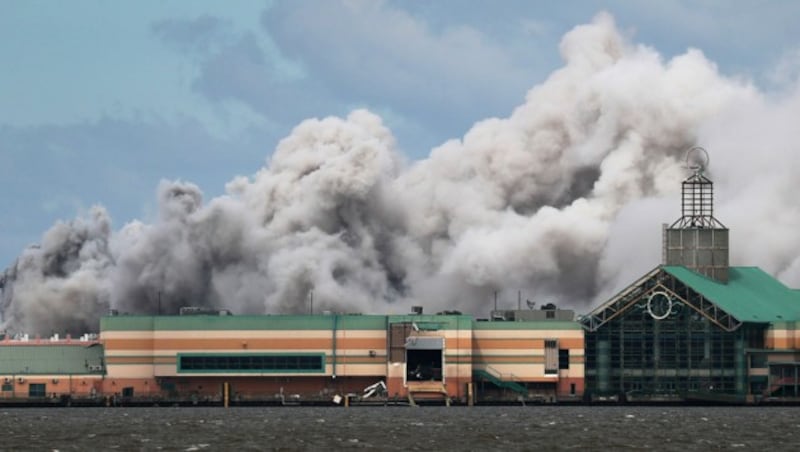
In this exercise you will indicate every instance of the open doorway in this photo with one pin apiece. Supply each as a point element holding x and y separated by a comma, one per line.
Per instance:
<point>425,359</point>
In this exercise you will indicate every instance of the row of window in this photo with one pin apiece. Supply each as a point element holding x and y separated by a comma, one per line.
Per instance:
<point>34,389</point>
<point>263,363</point>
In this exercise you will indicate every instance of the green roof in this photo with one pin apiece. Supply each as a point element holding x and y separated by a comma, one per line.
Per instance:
<point>751,295</point>
<point>49,359</point>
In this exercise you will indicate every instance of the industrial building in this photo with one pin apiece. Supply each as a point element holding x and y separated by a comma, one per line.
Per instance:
<point>445,358</point>
<point>693,329</point>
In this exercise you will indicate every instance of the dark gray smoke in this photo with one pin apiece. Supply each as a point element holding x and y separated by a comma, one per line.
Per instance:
<point>563,199</point>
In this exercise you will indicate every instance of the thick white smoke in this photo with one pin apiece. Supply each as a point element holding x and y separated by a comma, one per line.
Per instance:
<point>562,200</point>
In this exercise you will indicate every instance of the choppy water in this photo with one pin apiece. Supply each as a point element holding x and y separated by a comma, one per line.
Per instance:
<point>401,428</point>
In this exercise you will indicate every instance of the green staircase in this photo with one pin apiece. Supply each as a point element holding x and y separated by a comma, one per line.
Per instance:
<point>496,379</point>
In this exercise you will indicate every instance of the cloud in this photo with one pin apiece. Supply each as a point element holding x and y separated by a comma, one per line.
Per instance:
<point>549,199</point>
<point>56,171</point>
<point>381,53</point>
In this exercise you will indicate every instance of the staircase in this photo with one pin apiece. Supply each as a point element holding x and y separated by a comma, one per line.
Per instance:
<point>778,383</point>
<point>427,389</point>
<point>496,379</point>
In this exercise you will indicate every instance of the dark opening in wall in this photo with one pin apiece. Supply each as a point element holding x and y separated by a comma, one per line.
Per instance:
<point>424,365</point>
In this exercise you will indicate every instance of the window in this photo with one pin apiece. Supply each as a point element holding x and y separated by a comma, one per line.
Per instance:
<point>550,357</point>
<point>252,363</point>
<point>8,387</point>
<point>37,390</point>
<point>563,358</point>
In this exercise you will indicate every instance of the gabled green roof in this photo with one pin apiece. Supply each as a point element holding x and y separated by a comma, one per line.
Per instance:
<point>751,295</point>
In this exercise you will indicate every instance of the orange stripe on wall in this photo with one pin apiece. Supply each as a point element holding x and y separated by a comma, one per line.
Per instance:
<point>781,342</point>
<point>460,343</point>
<point>140,360</point>
<point>477,360</point>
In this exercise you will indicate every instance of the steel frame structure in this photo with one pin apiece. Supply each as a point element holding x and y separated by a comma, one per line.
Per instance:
<point>655,280</point>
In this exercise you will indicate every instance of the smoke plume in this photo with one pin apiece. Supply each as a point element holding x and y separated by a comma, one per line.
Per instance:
<point>562,200</point>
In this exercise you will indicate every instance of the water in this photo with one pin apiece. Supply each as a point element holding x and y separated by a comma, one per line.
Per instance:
<point>402,428</point>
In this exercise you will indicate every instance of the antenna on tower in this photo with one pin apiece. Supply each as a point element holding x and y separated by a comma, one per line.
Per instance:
<point>697,160</point>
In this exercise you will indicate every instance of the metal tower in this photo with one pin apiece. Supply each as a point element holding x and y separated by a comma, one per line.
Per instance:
<point>697,240</point>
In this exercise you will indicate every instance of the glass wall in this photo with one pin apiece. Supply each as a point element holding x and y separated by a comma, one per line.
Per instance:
<point>671,353</point>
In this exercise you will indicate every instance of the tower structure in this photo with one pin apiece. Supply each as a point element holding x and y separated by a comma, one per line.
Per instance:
<point>697,240</point>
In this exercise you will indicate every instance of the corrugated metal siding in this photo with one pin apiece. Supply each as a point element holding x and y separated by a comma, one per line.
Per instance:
<point>49,359</point>
<point>424,343</point>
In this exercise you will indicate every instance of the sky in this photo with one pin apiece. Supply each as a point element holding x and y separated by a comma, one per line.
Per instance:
<point>101,100</point>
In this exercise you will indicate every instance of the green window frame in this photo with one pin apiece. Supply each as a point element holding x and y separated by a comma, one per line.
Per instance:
<point>251,363</point>
<point>37,390</point>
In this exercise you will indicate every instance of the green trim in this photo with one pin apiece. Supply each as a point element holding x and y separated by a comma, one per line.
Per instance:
<point>37,389</point>
<point>531,325</point>
<point>434,322</point>
<point>770,351</point>
<point>180,368</point>
<point>243,322</point>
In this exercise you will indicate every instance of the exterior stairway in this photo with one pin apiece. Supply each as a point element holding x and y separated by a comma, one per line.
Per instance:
<point>496,379</point>
<point>427,388</point>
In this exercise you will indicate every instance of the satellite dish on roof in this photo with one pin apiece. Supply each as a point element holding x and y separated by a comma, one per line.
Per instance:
<point>530,304</point>
<point>697,159</point>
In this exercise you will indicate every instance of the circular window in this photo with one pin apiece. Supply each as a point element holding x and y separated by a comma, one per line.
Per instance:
<point>659,305</point>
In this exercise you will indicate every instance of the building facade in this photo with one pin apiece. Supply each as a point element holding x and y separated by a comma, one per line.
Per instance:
<point>320,358</point>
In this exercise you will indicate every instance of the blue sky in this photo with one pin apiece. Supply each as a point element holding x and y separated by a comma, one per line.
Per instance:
<point>99,100</point>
